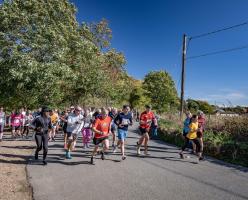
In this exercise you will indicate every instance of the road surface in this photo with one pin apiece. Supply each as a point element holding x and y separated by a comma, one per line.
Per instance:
<point>160,176</point>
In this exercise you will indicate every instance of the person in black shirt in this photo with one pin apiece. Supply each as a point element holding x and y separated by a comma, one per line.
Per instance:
<point>123,120</point>
<point>41,125</point>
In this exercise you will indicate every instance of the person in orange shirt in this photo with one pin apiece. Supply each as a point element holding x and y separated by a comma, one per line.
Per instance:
<point>101,129</point>
<point>146,119</point>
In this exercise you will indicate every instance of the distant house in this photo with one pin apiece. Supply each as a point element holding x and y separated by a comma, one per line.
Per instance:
<point>223,113</point>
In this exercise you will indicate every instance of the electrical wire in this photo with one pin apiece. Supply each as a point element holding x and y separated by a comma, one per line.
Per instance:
<point>218,52</point>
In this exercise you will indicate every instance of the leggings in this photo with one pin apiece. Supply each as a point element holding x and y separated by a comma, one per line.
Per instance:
<point>41,141</point>
<point>197,143</point>
<point>86,132</point>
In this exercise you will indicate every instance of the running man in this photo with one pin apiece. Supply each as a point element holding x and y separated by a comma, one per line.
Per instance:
<point>74,127</point>
<point>146,119</point>
<point>2,122</point>
<point>122,121</point>
<point>41,125</point>
<point>113,114</point>
<point>101,128</point>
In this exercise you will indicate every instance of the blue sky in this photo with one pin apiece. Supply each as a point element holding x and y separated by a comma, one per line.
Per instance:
<point>149,33</point>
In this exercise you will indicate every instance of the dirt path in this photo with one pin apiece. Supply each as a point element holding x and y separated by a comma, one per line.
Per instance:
<point>14,156</point>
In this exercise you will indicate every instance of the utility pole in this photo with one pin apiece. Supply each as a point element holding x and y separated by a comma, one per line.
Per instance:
<point>183,76</point>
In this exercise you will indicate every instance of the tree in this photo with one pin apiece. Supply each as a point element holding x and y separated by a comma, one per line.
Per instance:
<point>160,88</point>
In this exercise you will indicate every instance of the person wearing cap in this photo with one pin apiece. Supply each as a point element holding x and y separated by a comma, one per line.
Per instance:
<point>74,127</point>
<point>146,119</point>
<point>42,124</point>
<point>101,128</point>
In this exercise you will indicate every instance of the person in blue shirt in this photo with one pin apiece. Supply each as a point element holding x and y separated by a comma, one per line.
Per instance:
<point>123,120</point>
<point>186,124</point>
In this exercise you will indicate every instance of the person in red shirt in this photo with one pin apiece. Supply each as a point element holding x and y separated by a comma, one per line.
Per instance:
<point>101,129</point>
<point>146,119</point>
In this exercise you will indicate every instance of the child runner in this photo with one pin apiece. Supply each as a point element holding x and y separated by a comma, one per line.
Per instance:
<point>28,120</point>
<point>122,121</point>
<point>86,131</point>
<point>2,122</point>
<point>54,120</point>
<point>101,129</point>
<point>192,136</point>
<point>74,127</point>
<point>146,119</point>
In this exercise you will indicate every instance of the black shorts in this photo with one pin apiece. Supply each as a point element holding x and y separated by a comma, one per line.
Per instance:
<point>143,130</point>
<point>97,141</point>
<point>16,128</point>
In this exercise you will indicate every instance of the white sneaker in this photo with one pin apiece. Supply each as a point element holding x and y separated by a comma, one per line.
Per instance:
<point>138,150</point>
<point>114,149</point>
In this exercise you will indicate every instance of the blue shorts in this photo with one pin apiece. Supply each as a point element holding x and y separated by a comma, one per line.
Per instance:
<point>122,134</point>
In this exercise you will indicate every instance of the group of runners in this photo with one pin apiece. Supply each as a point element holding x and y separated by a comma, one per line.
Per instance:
<point>97,126</point>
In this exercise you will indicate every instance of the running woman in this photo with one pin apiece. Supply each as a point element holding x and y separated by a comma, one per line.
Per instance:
<point>74,127</point>
<point>16,122</point>
<point>122,121</point>
<point>2,123</point>
<point>101,128</point>
<point>146,119</point>
<point>54,120</point>
<point>86,131</point>
<point>41,125</point>
<point>192,136</point>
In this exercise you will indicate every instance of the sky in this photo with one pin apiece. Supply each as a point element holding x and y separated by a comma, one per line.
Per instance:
<point>149,33</point>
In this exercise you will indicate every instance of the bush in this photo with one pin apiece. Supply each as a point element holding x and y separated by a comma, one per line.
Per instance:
<point>219,141</point>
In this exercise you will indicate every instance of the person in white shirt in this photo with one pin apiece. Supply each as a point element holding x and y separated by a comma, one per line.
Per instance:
<point>2,123</point>
<point>74,127</point>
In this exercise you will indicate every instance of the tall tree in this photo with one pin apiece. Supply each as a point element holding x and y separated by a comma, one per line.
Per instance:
<point>160,88</point>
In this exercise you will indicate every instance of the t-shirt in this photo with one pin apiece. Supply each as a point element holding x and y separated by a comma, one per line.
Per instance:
<point>193,130</point>
<point>124,120</point>
<point>2,117</point>
<point>54,118</point>
<point>102,125</point>
<point>146,119</point>
<point>87,121</point>
<point>16,119</point>
<point>74,123</point>
<point>186,124</point>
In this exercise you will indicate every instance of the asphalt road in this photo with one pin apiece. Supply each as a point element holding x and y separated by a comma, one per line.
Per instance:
<point>160,176</point>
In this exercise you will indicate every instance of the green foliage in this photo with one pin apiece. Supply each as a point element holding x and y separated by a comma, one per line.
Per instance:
<point>160,88</point>
<point>46,57</point>
<point>195,105</point>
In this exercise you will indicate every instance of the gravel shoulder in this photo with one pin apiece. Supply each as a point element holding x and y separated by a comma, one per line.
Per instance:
<point>14,156</point>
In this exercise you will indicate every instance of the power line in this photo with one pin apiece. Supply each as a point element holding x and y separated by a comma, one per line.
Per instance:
<point>219,30</point>
<point>218,52</point>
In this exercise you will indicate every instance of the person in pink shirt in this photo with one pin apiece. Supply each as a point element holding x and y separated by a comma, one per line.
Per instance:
<point>16,120</point>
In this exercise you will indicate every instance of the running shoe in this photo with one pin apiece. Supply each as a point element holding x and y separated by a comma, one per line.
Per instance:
<point>102,155</point>
<point>44,162</point>
<point>124,157</point>
<point>181,155</point>
<point>201,158</point>
<point>114,149</point>
<point>92,160</point>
